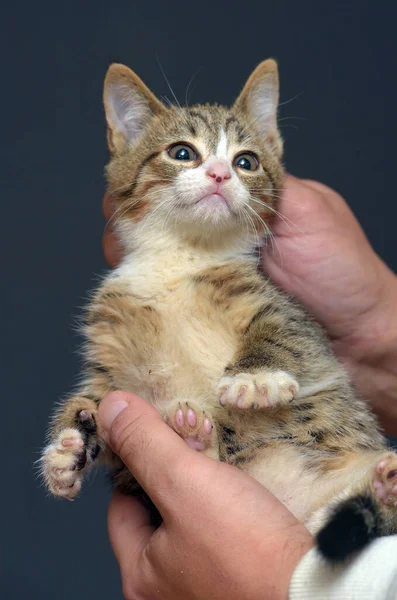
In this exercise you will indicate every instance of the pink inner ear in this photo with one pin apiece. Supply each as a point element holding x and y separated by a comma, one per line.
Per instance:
<point>127,110</point>
<point>263,106</point>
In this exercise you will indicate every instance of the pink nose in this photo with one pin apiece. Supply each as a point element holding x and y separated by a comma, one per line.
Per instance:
<point>219,171</point>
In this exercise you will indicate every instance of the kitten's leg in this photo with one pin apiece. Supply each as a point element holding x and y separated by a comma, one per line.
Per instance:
<point>75,443</point>
<point>264,372</point>
<point>195,426</point>
<point>362,512</point>
<point>120,333</point>
<point>257,390</point>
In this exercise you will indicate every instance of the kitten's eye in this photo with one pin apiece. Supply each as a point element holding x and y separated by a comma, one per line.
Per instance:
<point>182,152</point>
<point>249,162</point>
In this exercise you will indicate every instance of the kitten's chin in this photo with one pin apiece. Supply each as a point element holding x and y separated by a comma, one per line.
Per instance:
<point>213,206</point>
<point>210,212</point>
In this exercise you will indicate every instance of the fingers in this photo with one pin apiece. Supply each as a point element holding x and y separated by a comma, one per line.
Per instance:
<point>129,528</point>
<point>152,451</point>
<point>306,206</point>
<point>292,181</point>
<point>298,206</point>
<point>303,186</point>
<point>295,182</point>
<point>107,207</point>
<point>111,247</point>
<point>308,193</point>
<point>110,244</point>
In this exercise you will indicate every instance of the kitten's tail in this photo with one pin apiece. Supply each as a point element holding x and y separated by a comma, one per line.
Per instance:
<point>352,526</point>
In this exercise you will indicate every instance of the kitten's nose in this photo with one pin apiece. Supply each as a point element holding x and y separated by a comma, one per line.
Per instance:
<point>219,170</point>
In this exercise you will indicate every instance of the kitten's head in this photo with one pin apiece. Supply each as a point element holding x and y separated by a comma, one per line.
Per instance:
<point>203,172</point>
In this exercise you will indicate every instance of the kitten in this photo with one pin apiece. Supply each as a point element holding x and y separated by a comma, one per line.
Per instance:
<point>235,366</point>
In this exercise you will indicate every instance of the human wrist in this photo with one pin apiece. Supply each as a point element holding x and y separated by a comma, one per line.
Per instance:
<point>289,552</point>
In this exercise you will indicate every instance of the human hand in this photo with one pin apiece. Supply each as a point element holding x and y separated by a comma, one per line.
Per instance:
<point>223,535</point>
<point>110,244</point>
<point>323,259</point>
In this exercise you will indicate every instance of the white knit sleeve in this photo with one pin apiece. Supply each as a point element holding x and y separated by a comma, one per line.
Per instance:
<point>371,575</point>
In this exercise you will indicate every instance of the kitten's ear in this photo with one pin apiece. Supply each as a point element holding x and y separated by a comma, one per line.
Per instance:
<point>259,101</point>
<point>129,107</point>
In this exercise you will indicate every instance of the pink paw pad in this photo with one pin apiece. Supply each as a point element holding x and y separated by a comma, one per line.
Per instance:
<point>194,426</point>
<point>385,481</point>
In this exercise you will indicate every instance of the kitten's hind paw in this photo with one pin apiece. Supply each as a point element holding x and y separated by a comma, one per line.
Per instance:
<point>257,390</point>
<point>194,426</point>
<point>385,480</point>
<point>67,458</point>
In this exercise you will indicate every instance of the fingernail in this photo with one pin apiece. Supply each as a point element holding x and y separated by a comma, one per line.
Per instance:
<point>110,410</point>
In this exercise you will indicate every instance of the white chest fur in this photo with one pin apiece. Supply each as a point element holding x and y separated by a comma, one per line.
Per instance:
<point>196,341</point>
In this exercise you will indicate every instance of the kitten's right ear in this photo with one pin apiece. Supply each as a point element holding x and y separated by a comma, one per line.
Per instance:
<point>129,107</point>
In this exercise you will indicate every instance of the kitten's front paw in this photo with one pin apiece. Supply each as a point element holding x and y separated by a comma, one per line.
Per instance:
<point>60,464</point>
<point>257,390</point>
<point>64,461</point>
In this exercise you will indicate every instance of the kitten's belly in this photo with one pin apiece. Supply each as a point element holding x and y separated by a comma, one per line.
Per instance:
<point>186,363</point>
<point>284,471</point>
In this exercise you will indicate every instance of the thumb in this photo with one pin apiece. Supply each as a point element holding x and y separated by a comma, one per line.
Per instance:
<point>152,451</point>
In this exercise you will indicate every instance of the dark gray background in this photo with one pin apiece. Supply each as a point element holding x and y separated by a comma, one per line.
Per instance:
<point>337,59</point>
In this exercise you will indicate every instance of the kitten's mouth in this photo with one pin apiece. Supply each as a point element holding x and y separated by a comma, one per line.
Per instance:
<point>214,199</point>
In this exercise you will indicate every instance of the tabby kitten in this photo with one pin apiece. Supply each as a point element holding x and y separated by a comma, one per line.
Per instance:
<point>235,366</point>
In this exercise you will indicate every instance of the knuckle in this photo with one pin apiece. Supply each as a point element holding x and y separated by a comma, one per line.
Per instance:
<point>319,191</point>
<point>109,246</point>
<point>129,591</point>
<point>137,584</point>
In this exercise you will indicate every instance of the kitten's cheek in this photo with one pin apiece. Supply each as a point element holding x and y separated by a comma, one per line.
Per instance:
<point>111,247</point>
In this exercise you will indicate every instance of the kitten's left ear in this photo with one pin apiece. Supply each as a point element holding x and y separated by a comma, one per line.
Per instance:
<point>129,107</point>
<point>259,100</point>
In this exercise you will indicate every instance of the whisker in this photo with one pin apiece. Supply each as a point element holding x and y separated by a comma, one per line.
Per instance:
<point>119,217</point>
<point>273,240</point>
<point>287,118</point>
<point>125,208</point>
<point>189,84</point>
<point>249,221</point>
<point>291,99</point>
<point>156,209</point>
<point>265,205</point>
<point>277,196</point>
<point>115,214</point>
<point>288,125</point>
<point>167,100</point>
<point>285,219</point>
<point>126,185</point>
<point>166,80</point>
